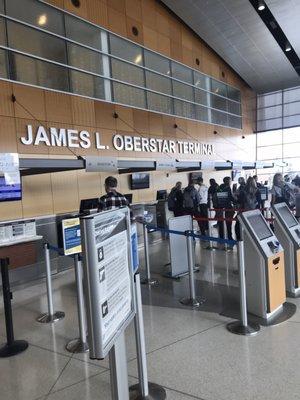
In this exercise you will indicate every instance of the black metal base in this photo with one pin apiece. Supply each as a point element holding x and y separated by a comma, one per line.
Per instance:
<point>196,302</point>
<point>156,392</point>
<point>237,328</point>
<point>50,319</point>
<point>150,282</point>
<point>18,346</point>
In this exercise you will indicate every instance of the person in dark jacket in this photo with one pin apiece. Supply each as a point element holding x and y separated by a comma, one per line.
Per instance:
<point>175,200</point>
<point>191,200</point>
<point>212,190</point>
<point>226,203</point>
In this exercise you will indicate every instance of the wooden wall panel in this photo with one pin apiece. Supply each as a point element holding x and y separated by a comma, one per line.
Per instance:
<point>6,104</point>
<point>65,191</point>
<point>30,102</point>
<point>37,195</point>
<point>8,140</point>
<point>58,107</point>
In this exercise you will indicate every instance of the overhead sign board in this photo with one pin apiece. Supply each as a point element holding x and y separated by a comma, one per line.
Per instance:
<point>94,164</point>
<point>167,165</point>
<point>71,236</point>
<point>108,277</point>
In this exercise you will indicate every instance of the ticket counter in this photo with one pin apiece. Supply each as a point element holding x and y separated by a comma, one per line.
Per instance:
<point>287,229</point>
<point>264,265</point>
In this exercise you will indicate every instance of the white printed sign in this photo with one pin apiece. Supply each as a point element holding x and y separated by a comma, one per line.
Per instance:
<point>94,164</point>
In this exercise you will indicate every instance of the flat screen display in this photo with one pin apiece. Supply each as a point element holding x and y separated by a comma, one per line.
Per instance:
<point>140,181</point>
<point>260,226</point>
<point>161,195</point>
<point>287,216</point>
<point>89,204</point>
<point>194,176</point>
<point>128,197</point>
<point>10,192</point>
<point>263,193</point>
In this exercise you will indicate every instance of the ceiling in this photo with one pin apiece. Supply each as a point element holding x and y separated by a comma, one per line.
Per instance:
<point>236,32</point>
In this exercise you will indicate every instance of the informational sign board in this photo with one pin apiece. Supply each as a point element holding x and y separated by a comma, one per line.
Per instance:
<point>178,245</point>
<point>71,236</point>
<point>9,167</point>
<point>17,230</point>
<point>106,241</point>
<point>264,193</point>
<point>94,164</point>
<point>222,199</point>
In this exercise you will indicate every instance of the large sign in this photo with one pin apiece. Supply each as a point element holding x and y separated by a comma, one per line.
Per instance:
<point>71,236</point>
<point>109,277</point>
<point>73,138</point>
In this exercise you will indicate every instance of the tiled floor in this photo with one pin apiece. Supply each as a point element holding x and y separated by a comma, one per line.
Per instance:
<point>190,352</point>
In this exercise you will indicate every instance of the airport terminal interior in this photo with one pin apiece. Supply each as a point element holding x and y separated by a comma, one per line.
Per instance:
<point>149,199</point>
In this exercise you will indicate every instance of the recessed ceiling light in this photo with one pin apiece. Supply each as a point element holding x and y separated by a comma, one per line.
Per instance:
<point>42,20</point>
<point>288,47</point>
<point>261,5</point>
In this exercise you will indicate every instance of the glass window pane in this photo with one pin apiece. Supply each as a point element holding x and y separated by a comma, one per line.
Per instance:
<point>270,112</point>
<point>37,14</point>
<point>127,72</point>
<point>269,125</point>
<point>269,138</point>
<point>234,122</point>
<point>291,95</point>
<point>291,121</point>
<point>218,88</point>
<point>40,73</point>
<point>218,102</point>
<point>181,72</point>
<point>129,95</point>
<point>201,81</point>
<point>2,32</point>
<point>3,64</point>
<point>219,118</point>
<point>268,100</point>
<point>291,150</point>
<point>82,32</point>
<point>291,135</point>
<point>184,109</point>
<point>85,59</point>
<point>293,164</point>
<point>233,93</point>
<point>2,6</point>
<point>157,62</point>
<point>158,83</point>
<point>157,102</point>
<point>291,109</point>
<point>201,113</point>
<point>201,96</point>
<point>126,50</point>
<point>234,108</point>
<point>34,42</point>
<point>87,85</point>
<point>183,91</point>
<point>269,152</point>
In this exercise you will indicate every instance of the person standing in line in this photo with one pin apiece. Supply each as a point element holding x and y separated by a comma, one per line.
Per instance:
<point>175,200</point>
<point>112,199</point>
<point>241,188</point>
<point>283,192</point>
<point>203,209</point>
<point>228,202</point>
<point>191,200</point>
<point>212,190</point>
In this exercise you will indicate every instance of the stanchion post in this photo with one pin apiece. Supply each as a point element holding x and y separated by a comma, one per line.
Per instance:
<point>192,300</point>
<point>225,228</point>
<point>147,280</point>
<point>118,370</point>
<point>79,345</point>
<point>51,316</point>
<point>144,389</point>
<point>242,327</point>
<point>12,347</point>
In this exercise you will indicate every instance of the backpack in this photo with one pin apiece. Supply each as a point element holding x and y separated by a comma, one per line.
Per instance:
<point>189,198</point>
<point>289,196</point>
<point>250,201</point>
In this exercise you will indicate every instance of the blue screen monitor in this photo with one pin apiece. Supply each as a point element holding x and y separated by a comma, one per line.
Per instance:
<point>10,192</point>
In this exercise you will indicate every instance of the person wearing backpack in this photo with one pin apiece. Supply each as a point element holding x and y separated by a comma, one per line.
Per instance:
<point>175,200</point>
<point>283,192</point>
<point>191,200</point>
<point>228,205</point>
<point>249,199</point>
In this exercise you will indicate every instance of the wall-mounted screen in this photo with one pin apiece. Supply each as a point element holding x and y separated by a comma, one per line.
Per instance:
<point>10,192</point>
<point>194,176</point>
<point>260,226</point>
<point>140,180</point>
<point>161,195</point>
<point>263,193</point>
<point>287,216</point>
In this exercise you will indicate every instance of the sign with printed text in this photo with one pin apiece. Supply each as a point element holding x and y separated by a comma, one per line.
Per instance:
<point>71,236</point>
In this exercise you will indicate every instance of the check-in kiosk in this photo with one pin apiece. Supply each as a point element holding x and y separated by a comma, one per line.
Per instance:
<point>287,229</point>
<point>264,266</point>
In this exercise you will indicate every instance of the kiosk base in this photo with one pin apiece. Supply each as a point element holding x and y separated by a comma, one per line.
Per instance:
<point>294,294</point>
<point>286,312</point>
<point>156,392</point>
<point>9,350</point>
<point>77,346</point>
<point>196,302</point>
<point>150,282</point>
<point>47,318</point>
<point>239,329</point>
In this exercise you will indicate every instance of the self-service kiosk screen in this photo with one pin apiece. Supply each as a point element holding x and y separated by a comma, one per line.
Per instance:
<point>259,226</point>
<point>287,216</point>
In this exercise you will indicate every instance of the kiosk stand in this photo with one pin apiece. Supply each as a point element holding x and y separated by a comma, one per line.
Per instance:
<point>12,347</point>
<point>264,266</point>
<point>287,229</point>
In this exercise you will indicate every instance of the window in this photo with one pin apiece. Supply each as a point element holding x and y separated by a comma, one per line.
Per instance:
<point>269,152</point>
<point>271,99</point>
<point>218,88</point>
<point>181,72</point>
<point>293,165</point>
<point>291,95</point>
<point>233,107</point>
<point>157,62</point>
<point>31,41</point>
<point>291,108</point>
<point>268,113</point>
<point>269,138</point>
<point>291,150</point>
<point>3,64</point>
<point>201,97</point>
<point>201,113</point>
<point>85,59</point>
<point>158,83</point>
<point>219,118</point>
<point>184,109</point>
<point>87,85</point>
<point>129,95</point>
<point>218,102</point>
<point>233,94</point>
<point>126,50</point>
<point>37,14</point>
<point>157,102</point>
<point>201,81</point>
<point>40,73</point>
<point>269,125</point>
<point>183,91</point>
<point>2,6</point>
<point>235,122</point>
<point>127,72</point>
<point>291,135</point>
<point>2,32</point>
<point>293,120</point>
<point>83,33</point>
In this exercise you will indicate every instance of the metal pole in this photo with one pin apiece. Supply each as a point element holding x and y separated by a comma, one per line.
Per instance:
<point>242,327</point>
<point>118,370</point>
<point>224,228</point>
<point>79,345</point>
<point>144,389</point>
<point>51,316</point>
<point>147,280</point>
<point>192,300</point>
<point>12,347</point>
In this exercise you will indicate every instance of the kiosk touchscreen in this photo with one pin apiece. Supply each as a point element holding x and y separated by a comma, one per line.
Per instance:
<point>287,230</point>
<point>264,266</point>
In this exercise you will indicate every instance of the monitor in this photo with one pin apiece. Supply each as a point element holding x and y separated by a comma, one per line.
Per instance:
<point>128,197</point>
<point>161,195</point>
<point>140,181</point>
<point>89,204</point>
<point>10,192</point>
<point>263,190</point>
<point>287,216</point>
<point>259,226</point>
<point>194,176</point>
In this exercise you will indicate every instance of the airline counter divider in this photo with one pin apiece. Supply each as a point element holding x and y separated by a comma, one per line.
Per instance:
<point>264,266</point>
<point>287,229</point>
